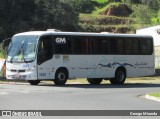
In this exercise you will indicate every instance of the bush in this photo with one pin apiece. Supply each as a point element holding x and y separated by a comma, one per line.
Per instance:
<point>142,14</point>
<point>106,20</point>
<point>2,52</point>
<point>107,28</point>
<point>82,6</point>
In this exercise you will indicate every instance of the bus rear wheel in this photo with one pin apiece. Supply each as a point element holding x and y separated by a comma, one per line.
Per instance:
<point>120,77</point>
<point>34,82</point>
<point>94,81</point>
<point>60,77</point>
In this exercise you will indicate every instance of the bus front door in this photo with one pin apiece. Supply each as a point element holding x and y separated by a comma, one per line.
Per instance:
<point>44,58</point>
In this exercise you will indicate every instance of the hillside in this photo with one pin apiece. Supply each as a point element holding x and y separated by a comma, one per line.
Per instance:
<point>117,17</point>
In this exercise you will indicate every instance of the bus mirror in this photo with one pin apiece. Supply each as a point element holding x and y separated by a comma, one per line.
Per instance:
<point>9,48</point>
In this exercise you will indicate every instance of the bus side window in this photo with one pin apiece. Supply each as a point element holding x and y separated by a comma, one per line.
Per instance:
<point>120,46</point>
<point>63,45</point>
<point>146,46</point>
<point>113,46</point>
<point>129,46</point>
<point>101,46</point>
<point>80,45</point>
<point>136,44</point>
<point>150,46</point>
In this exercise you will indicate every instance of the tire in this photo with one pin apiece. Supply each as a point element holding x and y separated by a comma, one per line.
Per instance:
<point>94,81</point>
<point>34,82</point>
<point>60,77</point>
<point>120,77</point>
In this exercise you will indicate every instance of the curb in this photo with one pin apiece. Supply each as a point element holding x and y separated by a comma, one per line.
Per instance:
<point>152,98</point>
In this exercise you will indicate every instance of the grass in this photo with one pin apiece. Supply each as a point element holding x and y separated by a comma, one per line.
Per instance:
<point>94,22</point>
<point>102,5</point>
<point>100,1</point>
<point>155,94</point>
<point>147,80</point>
<point>99,6</point>
<point>98,10</point>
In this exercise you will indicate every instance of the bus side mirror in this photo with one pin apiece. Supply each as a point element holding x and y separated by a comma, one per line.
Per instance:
<point>9,48</point>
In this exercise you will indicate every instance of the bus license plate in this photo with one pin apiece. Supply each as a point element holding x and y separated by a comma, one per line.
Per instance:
<point>17,76</point>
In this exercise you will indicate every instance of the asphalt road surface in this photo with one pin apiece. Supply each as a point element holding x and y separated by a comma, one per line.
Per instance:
<point>22,96</point>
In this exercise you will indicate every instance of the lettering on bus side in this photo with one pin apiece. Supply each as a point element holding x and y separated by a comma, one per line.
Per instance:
<point>60,40</point>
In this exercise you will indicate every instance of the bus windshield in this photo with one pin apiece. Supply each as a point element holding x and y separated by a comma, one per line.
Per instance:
<point>22,49</point>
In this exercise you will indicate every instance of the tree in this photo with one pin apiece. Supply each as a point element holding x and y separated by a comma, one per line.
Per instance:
<point>155,5</point>
<point>142,14</point>
<point>83,6</point>
<point>54,14</point>
<point>16,16</point>
<point>24,15</point>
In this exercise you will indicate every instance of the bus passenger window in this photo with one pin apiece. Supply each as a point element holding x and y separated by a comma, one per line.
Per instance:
<point>113,46</point>
<point>100,46</point>
<point>136,50</point>
<point>120,46</point>
<point>62,44</point>
<point>128,46</point>
<point>143,46</point>
<point>80,45</point>
<point>146,46</point>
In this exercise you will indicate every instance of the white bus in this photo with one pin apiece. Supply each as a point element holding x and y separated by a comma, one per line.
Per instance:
<point>58,56</point>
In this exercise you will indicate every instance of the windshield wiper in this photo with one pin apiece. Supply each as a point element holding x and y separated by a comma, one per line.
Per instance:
<point>20,50</point>
<point>13,57</point>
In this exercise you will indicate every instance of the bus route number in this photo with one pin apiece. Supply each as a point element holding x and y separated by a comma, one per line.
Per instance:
<point>42,74</point>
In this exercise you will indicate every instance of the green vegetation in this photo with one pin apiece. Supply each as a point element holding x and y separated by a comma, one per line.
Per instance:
<point>119,16</point>
<point>100,1</point>
<point>141,13</point>
<point>25,15</point>
<point>155,95</point>
<point>2,53</point>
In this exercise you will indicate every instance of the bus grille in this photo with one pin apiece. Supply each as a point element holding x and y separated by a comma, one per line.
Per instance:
<point>20,71</point>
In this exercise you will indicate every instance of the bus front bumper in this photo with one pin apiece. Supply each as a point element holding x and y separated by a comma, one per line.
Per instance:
<point>21,76</point>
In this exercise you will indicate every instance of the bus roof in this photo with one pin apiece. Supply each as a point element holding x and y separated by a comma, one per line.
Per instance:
<point>41,33</point>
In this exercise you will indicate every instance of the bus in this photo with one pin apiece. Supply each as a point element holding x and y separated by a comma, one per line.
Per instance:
<point>52,55</point>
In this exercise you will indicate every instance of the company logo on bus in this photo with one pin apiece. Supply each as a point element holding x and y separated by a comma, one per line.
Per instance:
<point>61,40</point>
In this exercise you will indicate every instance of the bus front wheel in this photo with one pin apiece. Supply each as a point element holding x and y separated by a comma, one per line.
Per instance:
<point>120,77</point>
<point>60,77</point>
<point>34,82</point>
<point>94,81</point>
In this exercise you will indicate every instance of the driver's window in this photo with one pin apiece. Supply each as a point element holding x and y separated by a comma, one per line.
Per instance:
<point>45,49</point>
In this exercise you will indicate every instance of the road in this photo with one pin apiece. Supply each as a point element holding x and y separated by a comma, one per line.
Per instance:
<point>22,96</point>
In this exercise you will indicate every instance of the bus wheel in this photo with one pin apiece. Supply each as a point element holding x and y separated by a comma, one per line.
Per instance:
<point>94,81</point>
<point>60,77</point>
<point>120,77</point>
<point>34,82</point>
